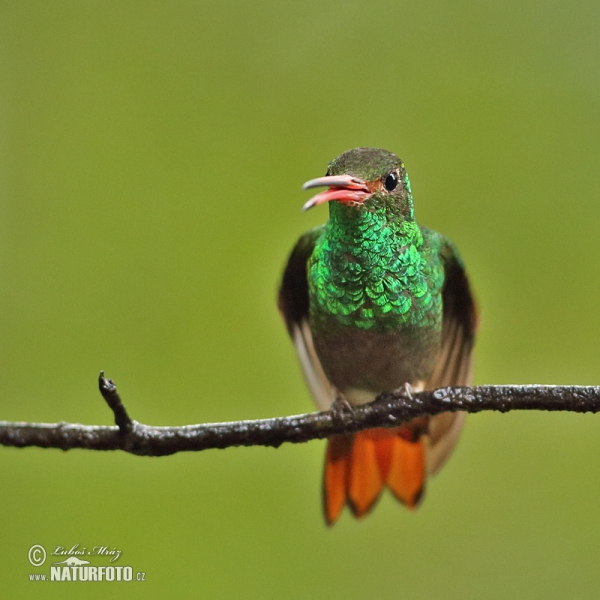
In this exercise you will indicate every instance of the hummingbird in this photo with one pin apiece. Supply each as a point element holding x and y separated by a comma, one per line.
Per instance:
<point>375,303</point>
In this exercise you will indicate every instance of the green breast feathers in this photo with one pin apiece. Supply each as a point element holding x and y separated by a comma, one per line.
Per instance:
<point>375,274</point>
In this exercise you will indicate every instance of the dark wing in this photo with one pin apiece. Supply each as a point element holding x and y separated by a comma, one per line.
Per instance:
<point>293,293</point>
<point>459,325</point>
<point>294,305</point>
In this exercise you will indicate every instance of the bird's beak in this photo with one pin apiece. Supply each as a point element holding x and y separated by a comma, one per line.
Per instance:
<point>342,188</point>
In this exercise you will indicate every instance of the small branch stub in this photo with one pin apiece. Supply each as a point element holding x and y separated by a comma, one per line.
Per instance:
<point>109,392</point>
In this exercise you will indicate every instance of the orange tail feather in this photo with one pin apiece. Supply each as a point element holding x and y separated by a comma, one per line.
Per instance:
<point>335,480</point>
<point>358,466</point>
<point>365,481</point>
<point>406,477</point>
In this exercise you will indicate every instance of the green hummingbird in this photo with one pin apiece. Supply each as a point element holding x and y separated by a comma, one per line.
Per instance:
<point>373,303</point>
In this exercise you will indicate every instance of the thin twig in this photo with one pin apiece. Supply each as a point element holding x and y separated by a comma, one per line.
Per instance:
<point>388,410</point>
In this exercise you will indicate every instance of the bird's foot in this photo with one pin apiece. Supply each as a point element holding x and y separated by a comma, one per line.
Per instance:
<point>407,391</point>
<point>416,427</point>
<point>340,407</point>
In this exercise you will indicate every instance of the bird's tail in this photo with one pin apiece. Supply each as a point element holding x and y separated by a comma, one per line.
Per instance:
<point>358,466</point>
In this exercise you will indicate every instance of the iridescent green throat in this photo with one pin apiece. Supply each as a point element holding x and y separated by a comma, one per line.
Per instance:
<point>375,269</point>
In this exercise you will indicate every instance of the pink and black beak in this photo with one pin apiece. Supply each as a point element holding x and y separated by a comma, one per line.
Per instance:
<point>342,188</point>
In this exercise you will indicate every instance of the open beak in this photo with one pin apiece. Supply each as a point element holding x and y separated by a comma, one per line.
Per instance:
<point>342,188</point>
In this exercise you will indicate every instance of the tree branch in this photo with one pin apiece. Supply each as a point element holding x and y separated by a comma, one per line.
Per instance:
<point>388,410</point>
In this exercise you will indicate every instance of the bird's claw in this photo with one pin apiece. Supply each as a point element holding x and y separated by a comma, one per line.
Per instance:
<point>409,390</point>
<point>406,390</point>
<point>340,407</point>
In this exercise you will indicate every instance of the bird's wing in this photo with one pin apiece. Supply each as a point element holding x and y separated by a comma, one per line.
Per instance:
<point>293,306</point>
<point>454,363</point>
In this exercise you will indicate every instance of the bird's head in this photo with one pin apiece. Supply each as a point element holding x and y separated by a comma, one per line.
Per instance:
<point>365,179</point>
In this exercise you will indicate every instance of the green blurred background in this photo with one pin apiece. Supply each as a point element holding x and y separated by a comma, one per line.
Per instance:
<point>151,157</point>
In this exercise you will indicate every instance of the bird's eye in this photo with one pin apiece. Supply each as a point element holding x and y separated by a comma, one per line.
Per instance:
<point>391,181</point>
